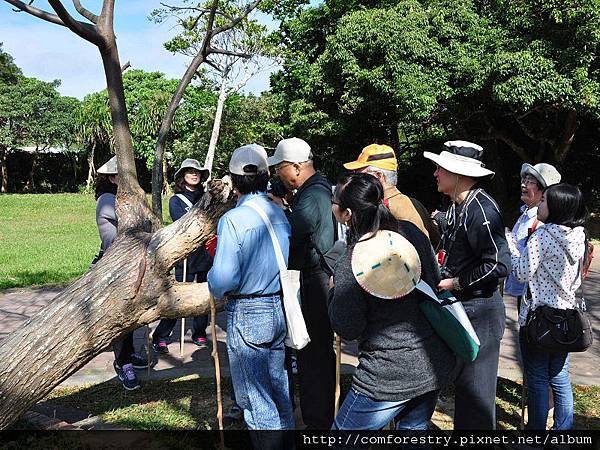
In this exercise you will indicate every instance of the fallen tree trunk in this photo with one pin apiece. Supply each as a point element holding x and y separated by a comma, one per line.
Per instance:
<point>129,287</point>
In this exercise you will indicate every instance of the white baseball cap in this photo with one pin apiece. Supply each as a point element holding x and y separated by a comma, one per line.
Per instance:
<point>248,160</point>
<point>293,150</point>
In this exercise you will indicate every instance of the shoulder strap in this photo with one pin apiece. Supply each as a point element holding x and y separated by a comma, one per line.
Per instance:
<point>185,200</point>
<point>276,246</point>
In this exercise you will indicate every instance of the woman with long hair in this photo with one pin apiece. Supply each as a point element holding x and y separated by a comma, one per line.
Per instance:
<point>106,218</point>
<point>188,191</point>
<point>402,362</point>
<point>551,265</point>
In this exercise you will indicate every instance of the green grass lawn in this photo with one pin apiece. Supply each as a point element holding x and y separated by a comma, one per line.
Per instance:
<point>189,403</point>
<point>46,238</point>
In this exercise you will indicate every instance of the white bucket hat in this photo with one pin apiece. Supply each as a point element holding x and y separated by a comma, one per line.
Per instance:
<point>190,163</point>
<point>386,265</point>
<point>109,167</point>
<point>294,150</point>
<point>462,158</point>
<point>546,174</point>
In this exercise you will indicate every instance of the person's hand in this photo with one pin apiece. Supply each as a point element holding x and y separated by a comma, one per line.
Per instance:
<point>211,245</point>
<point>434,213</point>
<point>277,200</point>
<point>331,283</point>
<point>446,284</point>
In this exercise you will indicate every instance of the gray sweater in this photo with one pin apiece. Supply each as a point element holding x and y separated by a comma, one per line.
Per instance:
<point>400,355</point>
<point>106,219</point>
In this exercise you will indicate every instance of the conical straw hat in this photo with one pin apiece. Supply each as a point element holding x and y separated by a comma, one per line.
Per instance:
<point>386,265</point>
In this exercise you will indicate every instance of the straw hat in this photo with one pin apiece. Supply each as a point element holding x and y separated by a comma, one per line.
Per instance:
<point>386,265</point>
<point>462,158</point>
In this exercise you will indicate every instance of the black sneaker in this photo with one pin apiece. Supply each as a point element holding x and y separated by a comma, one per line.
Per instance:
<point>137,361</point>
<point>127,376</point>
<point>160,347</point>
<point>234,415</point>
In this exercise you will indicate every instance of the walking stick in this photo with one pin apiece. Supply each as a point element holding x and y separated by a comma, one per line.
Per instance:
<point>523,402</point>
<point>149,350</point>
<point>183,318</point>
<point>338,366</point>
<point>215,355</point>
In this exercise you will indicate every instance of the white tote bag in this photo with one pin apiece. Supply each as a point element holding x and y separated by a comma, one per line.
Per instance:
<point>297,335</point>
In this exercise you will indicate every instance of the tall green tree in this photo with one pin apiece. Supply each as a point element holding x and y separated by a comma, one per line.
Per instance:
<point>9,74</point>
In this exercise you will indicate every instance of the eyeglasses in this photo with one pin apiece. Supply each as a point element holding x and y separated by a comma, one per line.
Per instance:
<point>528,180</point>
<point>281,166</point>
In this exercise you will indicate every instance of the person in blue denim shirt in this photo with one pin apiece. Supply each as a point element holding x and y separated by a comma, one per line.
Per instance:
<point>246,272</point>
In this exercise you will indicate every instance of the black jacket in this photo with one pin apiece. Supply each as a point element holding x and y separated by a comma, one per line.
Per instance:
<point>310,218</point>
<point>199,261</point>
<point>479,255</point>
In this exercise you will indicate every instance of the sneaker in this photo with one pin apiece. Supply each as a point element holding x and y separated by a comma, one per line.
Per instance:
<point>127,376</point>
<point>137,361</point>
<point>201,342</point>
<point>160,347</point>
<point>235,414</point>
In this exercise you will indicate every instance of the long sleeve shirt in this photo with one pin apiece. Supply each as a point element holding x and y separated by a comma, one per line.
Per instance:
<point>550,265</point>
<point>106,219</point>
<point>520,234</point>
<point>479,256</point>
<point>245,260</point>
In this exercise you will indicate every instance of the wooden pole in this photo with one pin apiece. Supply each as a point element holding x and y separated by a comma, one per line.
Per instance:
<point>338,368</point>
<point>182,337</point>
<point>523,401</point>
<point>149,353</point>
<point>215,355</point>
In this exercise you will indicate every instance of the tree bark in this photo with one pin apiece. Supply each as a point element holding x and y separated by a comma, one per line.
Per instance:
<point>30,186</point>
<point>214,137</point>
<point>91,167</point>
<point>3,168</point>
<point>129,287</point>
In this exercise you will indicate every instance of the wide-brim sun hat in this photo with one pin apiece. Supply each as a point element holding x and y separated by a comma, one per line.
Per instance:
<point>190,163</point>
<point>546,174</point>
<point>386,265</point>
<point>461,158</point>
<point>376,155</point>
<point>109,167</point>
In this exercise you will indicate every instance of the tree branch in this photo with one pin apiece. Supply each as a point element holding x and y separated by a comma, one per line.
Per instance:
<point>84,30</point>
<point>223,51</point>
<point>247,10</point>
<point>125,66</point>
<point>39,13</point>
<point>498,134</point>
<point>84,12</point>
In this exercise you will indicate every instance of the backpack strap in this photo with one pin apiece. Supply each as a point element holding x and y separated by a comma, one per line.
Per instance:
<point>185,200</point>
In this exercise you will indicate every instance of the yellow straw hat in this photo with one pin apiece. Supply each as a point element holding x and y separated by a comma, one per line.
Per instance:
<point>386,265</point>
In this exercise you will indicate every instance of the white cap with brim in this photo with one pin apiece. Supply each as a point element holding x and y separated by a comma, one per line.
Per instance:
<point>294,150</point>
<point>546,174</point>
<point>190,163</point>
<point>109,167</point>
<point>248,160</point>
<point>386,265</point>
<point>458,164</point>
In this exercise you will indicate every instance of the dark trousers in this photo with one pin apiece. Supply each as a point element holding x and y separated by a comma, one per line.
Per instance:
<point>123,349</point>
<point>475,383</point>
<point>316,361</point>
<point>165,327</point>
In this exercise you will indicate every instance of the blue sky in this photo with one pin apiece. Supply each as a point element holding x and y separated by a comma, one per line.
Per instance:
<point>47,51</point>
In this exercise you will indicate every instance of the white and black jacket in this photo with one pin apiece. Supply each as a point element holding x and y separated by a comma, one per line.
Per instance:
<point>479,255</point>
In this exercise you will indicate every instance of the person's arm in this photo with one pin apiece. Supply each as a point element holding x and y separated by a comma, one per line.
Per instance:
<point>176,208</point>
<point>526,262</point>
<point>485,233</point>
<point>303,222</point>
<point>348,305</point>
<point>225,274</point>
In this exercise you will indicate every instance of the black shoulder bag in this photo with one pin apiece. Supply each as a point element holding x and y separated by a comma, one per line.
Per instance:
<point>560,330</point>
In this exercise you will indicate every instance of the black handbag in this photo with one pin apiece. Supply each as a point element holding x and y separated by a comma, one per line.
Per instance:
<point>560,330</point>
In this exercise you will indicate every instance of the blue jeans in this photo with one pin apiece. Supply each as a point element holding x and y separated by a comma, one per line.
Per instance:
<point>544,369</point>
<point>255,344</point>
<point>360,412</point>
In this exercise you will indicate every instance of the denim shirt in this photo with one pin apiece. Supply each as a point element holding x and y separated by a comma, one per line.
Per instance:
<point>245,260</point>
<point>521,232</point>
